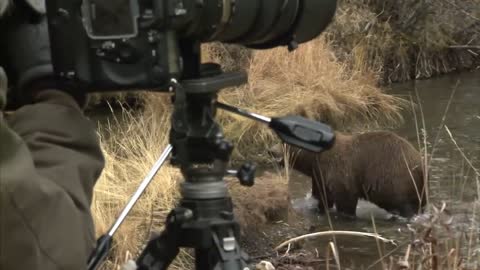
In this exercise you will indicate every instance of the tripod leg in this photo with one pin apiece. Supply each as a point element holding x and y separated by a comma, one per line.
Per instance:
<point>158,254</point>
<point>162,250</point>
<point>204,259</point>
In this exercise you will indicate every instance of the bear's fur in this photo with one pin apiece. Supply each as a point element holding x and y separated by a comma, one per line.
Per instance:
<point>380,167</point>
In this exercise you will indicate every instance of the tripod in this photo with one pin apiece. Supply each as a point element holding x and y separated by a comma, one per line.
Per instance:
<point>204,218</point>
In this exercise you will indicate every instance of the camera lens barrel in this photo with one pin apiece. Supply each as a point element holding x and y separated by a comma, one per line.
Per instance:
<point>260,24</point>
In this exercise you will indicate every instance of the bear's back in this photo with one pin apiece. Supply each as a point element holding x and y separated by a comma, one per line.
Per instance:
<point>390,166</point>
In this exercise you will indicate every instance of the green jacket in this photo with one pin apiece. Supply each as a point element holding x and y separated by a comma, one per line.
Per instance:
<point>50,159</point>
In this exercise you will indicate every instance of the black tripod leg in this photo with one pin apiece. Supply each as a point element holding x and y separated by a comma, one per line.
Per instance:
<point>159,253</point>
<point>162,250</point>
<point>204,259</point>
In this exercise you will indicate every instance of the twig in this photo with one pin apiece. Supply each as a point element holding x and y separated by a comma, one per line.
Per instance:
<point>329,233</point>
<point>463,11</point>
<point>261,257</point>
<point>426,175</point>
<point>335,254</point>
<point>407,253</point>
<point>472,232</point>
<point>386,255</point>
<point>416,121</point>
<point>444,117</point>
<point>378,244</point>
<point>464,47</point>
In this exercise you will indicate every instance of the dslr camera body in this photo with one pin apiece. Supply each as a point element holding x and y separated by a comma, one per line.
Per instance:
<point>143,44</point>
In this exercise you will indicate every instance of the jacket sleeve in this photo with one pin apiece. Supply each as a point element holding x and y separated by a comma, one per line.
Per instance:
<point>50,159</point>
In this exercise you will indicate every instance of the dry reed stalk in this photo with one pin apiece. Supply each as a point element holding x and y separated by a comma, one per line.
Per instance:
<point>331,233</point>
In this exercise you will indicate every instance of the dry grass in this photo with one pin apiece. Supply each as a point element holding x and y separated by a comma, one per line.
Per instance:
<point>310,82</point>
<point>130,152</point>
<point>438,242</point>
<point>267,201</point>
<point>409,39</point>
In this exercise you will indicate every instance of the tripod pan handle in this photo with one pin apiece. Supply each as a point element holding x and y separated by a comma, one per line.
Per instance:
<point>304,133</point>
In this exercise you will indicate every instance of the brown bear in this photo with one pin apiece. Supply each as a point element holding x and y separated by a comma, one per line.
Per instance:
<point>380,167</point>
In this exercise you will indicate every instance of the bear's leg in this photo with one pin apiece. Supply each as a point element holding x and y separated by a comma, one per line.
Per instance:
<point>408,210</point>
<point>346,204</point>
<point>315,188</point>
<point>325,203</point>
<point>319,192</point>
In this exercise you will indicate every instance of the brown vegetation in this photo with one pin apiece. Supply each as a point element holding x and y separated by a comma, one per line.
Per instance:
<point>267,201</point>
<point>409,39</point>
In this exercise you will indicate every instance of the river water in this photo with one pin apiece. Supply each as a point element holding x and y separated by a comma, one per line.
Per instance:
<point>453,179</point>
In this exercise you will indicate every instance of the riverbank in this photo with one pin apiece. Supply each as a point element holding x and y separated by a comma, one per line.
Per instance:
<point>407,40</point>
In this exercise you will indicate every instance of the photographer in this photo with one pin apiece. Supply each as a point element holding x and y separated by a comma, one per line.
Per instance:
<point>50,156</point>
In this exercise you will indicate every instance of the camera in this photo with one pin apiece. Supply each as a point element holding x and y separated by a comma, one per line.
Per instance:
<point>142,44</point>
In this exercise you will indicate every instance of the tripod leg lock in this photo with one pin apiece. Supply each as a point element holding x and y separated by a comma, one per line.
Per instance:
<point>230,254</point>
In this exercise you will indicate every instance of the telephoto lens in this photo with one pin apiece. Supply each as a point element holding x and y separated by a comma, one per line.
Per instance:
<point>258,24</point>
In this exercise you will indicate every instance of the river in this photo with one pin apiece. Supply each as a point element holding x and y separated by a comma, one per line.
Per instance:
<point>453,179</point>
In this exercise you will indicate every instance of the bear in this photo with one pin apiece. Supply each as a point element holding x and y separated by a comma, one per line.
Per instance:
<point>379,166</point>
